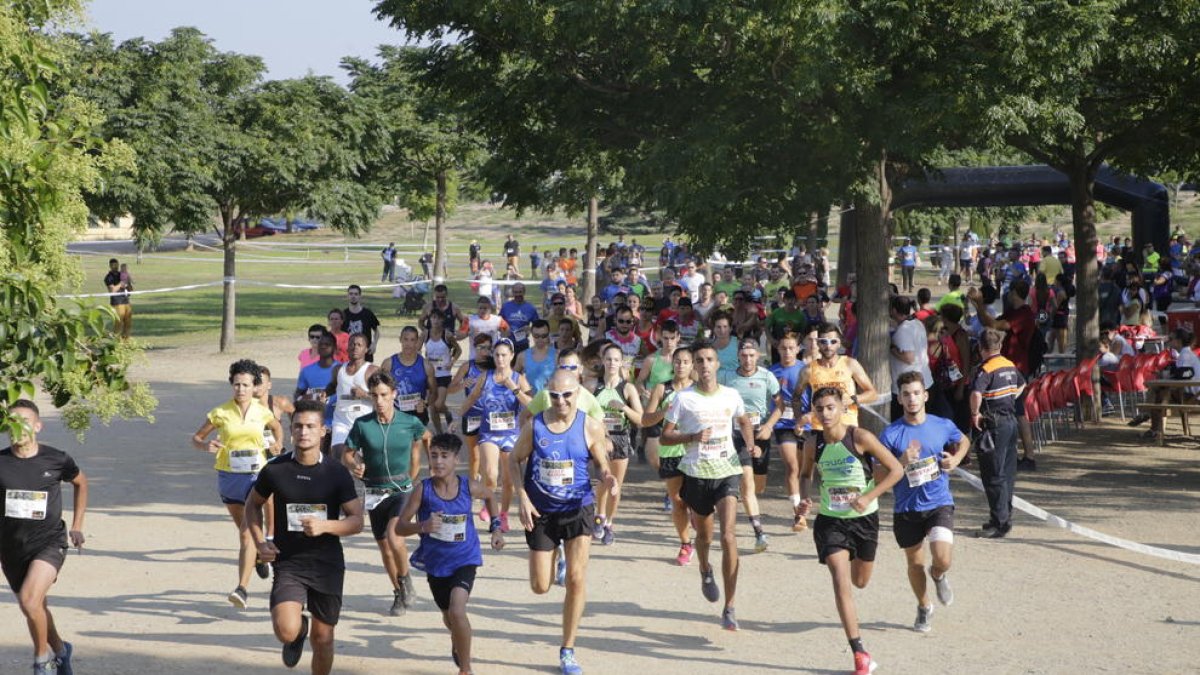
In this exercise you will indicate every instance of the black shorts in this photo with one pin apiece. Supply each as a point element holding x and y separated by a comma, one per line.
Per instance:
<point>386,510</point>
<point>551,529</point>
<point>463,421</point>
<point>622,446</point>
<point>441,587</point>
<point>787,436</point>
<point>653,431</point>
<point>16,567</point>
<point>911,527</point>
<point>323,599</point>
<point>702,494</point>
<point>444,381</point>
<point>859,536</point>
<point>668,467</point>
<point>758,464</point>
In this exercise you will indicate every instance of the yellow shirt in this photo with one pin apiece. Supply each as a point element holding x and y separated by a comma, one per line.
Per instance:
<point>239,433</point>
<point>838,376</point>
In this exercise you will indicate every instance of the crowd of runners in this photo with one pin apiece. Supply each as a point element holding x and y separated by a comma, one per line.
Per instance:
<point>702,369</point>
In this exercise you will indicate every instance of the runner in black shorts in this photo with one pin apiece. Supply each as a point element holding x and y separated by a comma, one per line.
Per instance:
<point>669,456</point>
<point>764,406</point>
<point>33,537</point>
<point>622,412</point>
<point>847,529</point>
<point>310,491</point>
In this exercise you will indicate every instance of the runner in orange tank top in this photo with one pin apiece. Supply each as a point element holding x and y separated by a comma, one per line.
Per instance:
<point>831,369</point>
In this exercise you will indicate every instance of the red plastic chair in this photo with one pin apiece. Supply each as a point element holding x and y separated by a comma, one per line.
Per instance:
<point>1082,385</point>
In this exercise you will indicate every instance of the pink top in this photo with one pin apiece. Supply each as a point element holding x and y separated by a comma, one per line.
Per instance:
<point>308,357</point>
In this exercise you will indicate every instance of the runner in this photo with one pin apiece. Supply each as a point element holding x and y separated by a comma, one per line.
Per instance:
<point>310,490</point>
<point>787,373</point>
<point>279,406</point>
<point>349,382</point>
<point>470,374</point>
<point>500,395</point>
<point>622,409</point>
<point>557,503</point>
<point>763,404</point>
<point>413,376</point>
<point>452,316</point>
<point>724,342</point>
<point>703,417</point>
<point>691,326</point>
<point>449,552</point>
<point>484,322</point>
<point>337,319</point>
<point>383,450</point>
<point>359,319</point>
<point>656,370</point>
<point>669,456</point>
<point>538,362</point>
<point>924,505</point>
<point>442,350</point>
<point>33,537</point>
<point>239,424</point>
<point>518,314</point>
<point>623,336</point>
<point>830,369</point>
<point>846,532</point>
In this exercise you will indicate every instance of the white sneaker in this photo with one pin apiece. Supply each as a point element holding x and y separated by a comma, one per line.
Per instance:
<point>921,625</point>
<point>945,594</point>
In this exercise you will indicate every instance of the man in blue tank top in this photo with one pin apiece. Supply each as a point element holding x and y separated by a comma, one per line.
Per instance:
<point>557,503</point>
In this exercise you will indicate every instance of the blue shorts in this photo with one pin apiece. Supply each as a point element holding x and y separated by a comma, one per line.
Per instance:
<point>234,488</point>
<point>505,440</point>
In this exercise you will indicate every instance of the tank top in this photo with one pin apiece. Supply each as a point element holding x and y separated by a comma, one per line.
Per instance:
<point>615,421</point>
<point>556,476</point>
<point>489,326</point>
<point>631,347</point>
<point>661,371</point>
<point>500,406</point>
<point>689,331</point>
<point>439,354</point>
<point>727,356</point>
<point>669,451</point>
<point>788,377</point>
<point>538,373</point>
<point>474,416</point>
<point>845,474</point>
<point>838,376</point>
<point>345,384</point>
<point>412,385</point>
<point>456,544</point>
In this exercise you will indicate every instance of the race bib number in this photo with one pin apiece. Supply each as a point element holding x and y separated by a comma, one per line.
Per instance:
<point>245,461</point>
<point>442,363</point>
<point>298,512</point>
<point>922,471</point>
<point>557,472</point>
<point>788,413</point>
<point>407,402</point>
<point>714,448</point>
<point>954,373</point>
<point>268,438</point>
<point>841,498</point>
<point>314,393</point>
<point>473,423</point>
<point>755,418</point>
<point>614,421</point>
<point>453,529</point>
<point>502,421</point>
<point>352,409</point>
<point>373,496</point>
<point>520,334</point>
<point>25,504</point>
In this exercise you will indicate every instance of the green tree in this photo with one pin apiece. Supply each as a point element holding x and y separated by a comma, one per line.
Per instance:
<point>49,154</point>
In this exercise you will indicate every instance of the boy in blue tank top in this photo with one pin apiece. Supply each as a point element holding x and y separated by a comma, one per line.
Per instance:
<point>449,550</point>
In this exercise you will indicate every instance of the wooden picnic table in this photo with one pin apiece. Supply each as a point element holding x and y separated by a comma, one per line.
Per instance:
<point>1183,410</point>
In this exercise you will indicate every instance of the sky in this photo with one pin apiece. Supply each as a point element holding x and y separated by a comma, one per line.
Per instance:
<point>294,37</point>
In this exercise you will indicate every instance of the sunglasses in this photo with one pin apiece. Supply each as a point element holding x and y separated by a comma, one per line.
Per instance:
<point>558,304</point>
<point>569,366</point>
<point>825,342</point>
<point>564,395</point>
<point>624,322</point>
<point>540,336</point>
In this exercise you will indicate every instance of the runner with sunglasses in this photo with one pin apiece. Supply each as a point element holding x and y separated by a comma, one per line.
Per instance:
<point>538,362</point>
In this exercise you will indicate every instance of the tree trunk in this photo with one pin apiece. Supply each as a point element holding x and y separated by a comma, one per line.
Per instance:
<point>821,240</point>
<point>589,267</point>
<point>872,308</point>
<point>229,298</point>
<point>1087,274</point>
<point>847,242</point>
<point>439,260</point>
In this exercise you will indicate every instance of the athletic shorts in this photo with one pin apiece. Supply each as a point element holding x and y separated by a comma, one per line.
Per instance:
<point>468,416</point>
<point>911,527</point>
<point>702,494</point>
<point>386,510</point>
<point>443,381</point>
<point>16,568</point>
<point>859,536</point>
<point>234,488</point>
<point>759,464</point>
<point>340,431</point>
<point>653,431</point>
<point>551,529</point>
<point>668,467</point>
<point>296,586</point>
<point>441,587</point>
<point>622,446</point>
<point>786,436</point>
<point>505,440</point>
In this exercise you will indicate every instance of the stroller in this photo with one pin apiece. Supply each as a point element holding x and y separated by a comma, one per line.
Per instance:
<point>410,290</point>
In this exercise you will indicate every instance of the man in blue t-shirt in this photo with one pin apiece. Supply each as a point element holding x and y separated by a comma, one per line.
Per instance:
<point>518,314</point>
<point>617,286</point>
<point>909,257</point>
<point>924,505</point>
<point>314,378</point>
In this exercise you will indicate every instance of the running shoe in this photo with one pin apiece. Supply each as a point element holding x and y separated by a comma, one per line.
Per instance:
<point>64,659</point>
<point>239,598</point>
<point>566,661</point>
<point>598,528</point>
<point>410,593</point>
<point>864,664</point>
<point>291,651</point>
<point>47,667</point>
<point>262,569</point>
<point>800,523</point>
<point>944,592</point>
<point>484,515</point>
<point>921,625</point>
<point>760,542</point>
<point>708,586</point>
<point>667,504</point>
<point>685,555</point>
<point>608,536</point>
<point>504,522</point>
<point>729,619</point>
<point>560,568</point>
<point>398,608</point>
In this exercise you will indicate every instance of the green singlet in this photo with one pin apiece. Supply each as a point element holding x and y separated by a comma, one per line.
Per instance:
<point>845,474</point>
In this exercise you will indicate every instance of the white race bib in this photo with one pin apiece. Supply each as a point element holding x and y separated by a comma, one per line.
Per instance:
<point>473,422</point>
<point>755,418</point>
<point>922,471</point>
<point>25,504</point>
<point>351,409</point>
<point>717,447</point>
<point>557,472</point>
<point>298,512</point>
<point>268,438</point>
<point>841,498</point>
<point>788,413</point>
<point>245,461</point>
<point>373,496</point>
<point>954,373</point>
<point>520,334</point>
<point>407,402</point>
<point>502,421</point>
<point>614,421</point>
<point>453,529</point>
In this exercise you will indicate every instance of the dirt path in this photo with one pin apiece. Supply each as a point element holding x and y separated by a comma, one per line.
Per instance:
<point>147,596</point>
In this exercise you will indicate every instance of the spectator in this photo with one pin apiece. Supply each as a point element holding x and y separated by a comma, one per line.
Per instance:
<point>925,308</point>
<point>909,351</point>
<point>535,262</point>
<point>119,300</point>
<point>389,262</point>
<point>909,258</point>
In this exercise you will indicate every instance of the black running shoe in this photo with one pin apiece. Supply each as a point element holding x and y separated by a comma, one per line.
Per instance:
<point>291,651</point>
